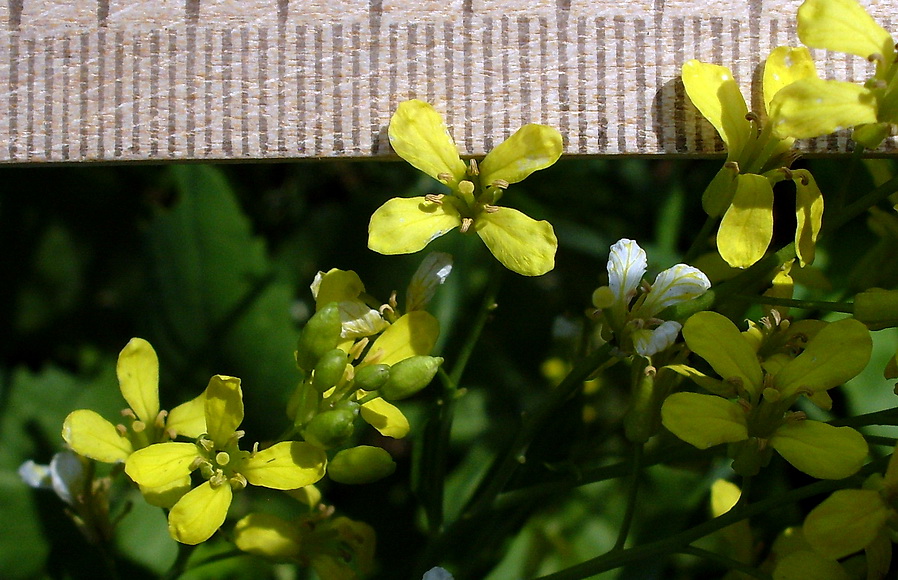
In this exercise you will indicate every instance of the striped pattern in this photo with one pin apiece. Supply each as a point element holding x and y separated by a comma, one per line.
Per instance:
<point>109,80</point>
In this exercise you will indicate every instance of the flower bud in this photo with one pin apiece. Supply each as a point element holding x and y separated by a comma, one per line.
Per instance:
<point>329,370</point>
<point>320,334</point>
<point>362,464</point>
<point>409,376</point>
<point>331,428</point>
<point>371,377</point>
<point>877,308</point>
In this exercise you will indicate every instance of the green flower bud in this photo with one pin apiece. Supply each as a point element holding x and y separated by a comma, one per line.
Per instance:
<point>409,376</point>
<point>331,428</point>
<point>329,370</point>
<point>362,464</point>
<point>320,334</point>
<point>877,308</point>
<point>303,403</point>
<point>371,377</point>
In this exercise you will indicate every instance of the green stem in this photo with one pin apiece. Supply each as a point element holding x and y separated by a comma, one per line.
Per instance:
<point>632,494</point>
<point>842,195</point>
<point>807,304</point>
<point>885,417</point>
<point>675,543</point>
<point>700,239</point>
<point>728,563</point>
<point>180,564</point>
<point>861,205</point>
<point>436,436</point>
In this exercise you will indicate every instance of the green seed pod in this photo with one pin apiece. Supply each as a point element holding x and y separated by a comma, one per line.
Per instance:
<point>409,376</point>
<point>329,370</point>
<point>362,464</point>
<point>371,377</point>
<point>320,334</point>
<point>331,428</point>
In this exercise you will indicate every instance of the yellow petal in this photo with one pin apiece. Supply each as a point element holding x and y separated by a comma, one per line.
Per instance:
<point>716,339</point>
<point>418,135</point>
<point>519,242</point>
<point>819,449</point>
<point>716,386</point>
<point>138,378</point>
<point>200,513</point>
<point>386,418</point>
<point>90,435</point>
<point>166,496</point>
<point>806,564</point>
<point>336,286</point>
<point>161,464</point>
<point>188,419</point>
<point>843,26</point>
<point>404,225</point>
<point>531,148</point>
<point>223,408</point>
<point>784,66</point>
<point>814,107</point>
<point>411,335</point>
<point>285,465</point>
<point>747,227</point>
<point>838,352</point>
<point>268,535</point>
<point>703,420</point>
<point>808,213</point>
<point>718,196</point>
<point>846,522</point>
<point>716,95</point>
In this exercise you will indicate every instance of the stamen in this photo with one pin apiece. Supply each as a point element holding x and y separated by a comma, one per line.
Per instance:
<point>160,419</point>
<point>500,183</point>
<point>752,117</point>
<point>876,57</point>
<point>466,224</point>
<point>436,198</point>
<point>444,177</point>
<point>732,166</point>
<point>122,430</point>
<point>238,482</point>
<point>490,208</point>
<point>472,168</point>
<point>128,413</point>
<point>392,301</point>
<point>787,172</point>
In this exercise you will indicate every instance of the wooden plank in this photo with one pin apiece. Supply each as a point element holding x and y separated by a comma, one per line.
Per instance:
<point>130,80</point>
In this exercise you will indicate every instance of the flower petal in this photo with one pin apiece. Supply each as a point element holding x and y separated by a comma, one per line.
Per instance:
<point>838,352</point>
<point>843,26</point>
<point>819,449</point>
<point>200,513</point>
<point>846,522</point>
<point>336,286</point>
<point>519,242</point>
<point>223,408</point>
<point>412,334</point>
<point>626,266</point>
<point>672,286</point>
<point>161,464</point>
<point>747,226</point>
<point>648,342</point>
<point>386,418</point>
<point>404,225</point>
<point>716,95</point>
<point>530,148</point>
<point>188,419</point>
<point>703,420</point>
<point>138,378</point>
<point>268,535</point>
<point>716,339</point>
<point>90,435</point>
<point>166,496</point>
<point>418,135</point>
<point>805,564</point>
<point>814,107</point>
<point>432,272</point>
<point>808,213</point>
<point>285,465</point>
<point>784,66</point>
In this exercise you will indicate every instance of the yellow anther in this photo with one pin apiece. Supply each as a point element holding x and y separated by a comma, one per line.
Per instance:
<point>472,168</point>
<point>122,430</point>
<point>238,482</point>
<point>500,183</point>
<point>160,419</point>
<point>490,208</point>
<point>436,198</point>
<point>444,177</point>
<point>128,413</point>
<point>466,223</point>
<point>732,166</point>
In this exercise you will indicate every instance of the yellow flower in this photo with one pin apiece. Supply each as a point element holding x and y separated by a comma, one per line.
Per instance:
<point>813,107</point>
<point>742,191</point>
<point>407,225</point>
<point>751,403</point>
<point>90,435</point>
<point>202,510</point>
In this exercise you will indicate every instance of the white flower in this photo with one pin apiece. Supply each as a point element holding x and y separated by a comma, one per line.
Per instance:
<point>65,475</point>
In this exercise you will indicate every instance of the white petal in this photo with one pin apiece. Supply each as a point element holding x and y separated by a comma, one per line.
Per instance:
<point>672,286</point>
<point>35,475</point>
<point>67,472</point>
<point>359,319</point>
<point>316,284</point>
<point>432,272</point>
<point>649,342</point>
<point>626,266</point>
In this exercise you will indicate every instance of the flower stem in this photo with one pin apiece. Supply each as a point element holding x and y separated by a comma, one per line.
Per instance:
<point>806,304</point>
<point>725,562</point>
<point>700,239</point>
<point>842,195</point>
<point>862,204</point>
<point>632,494</point>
